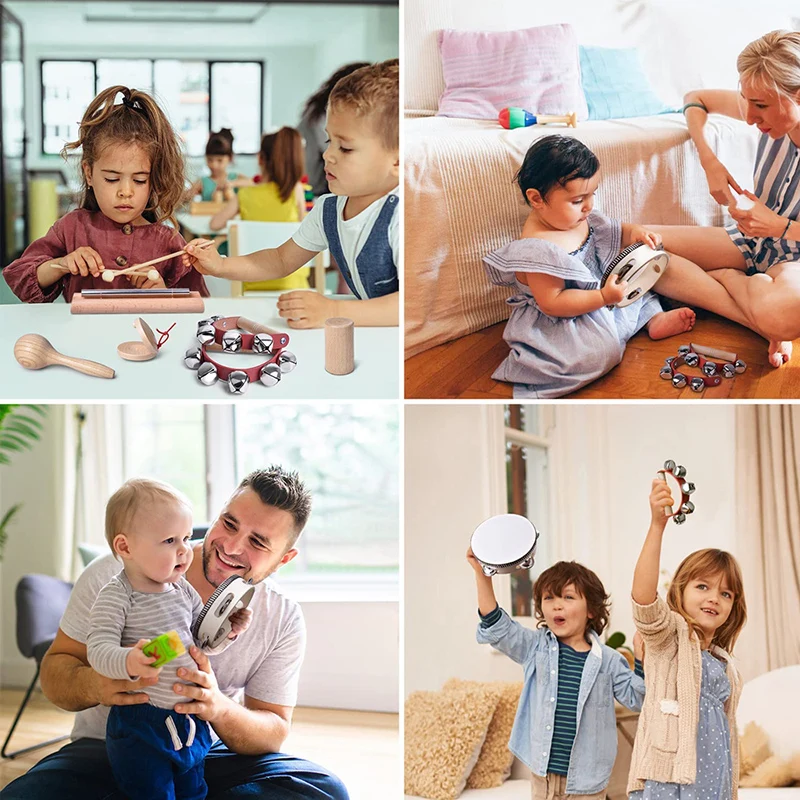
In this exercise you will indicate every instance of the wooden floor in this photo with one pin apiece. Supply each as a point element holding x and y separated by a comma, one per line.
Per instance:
<point>362,748</point>
<point>462,369</point>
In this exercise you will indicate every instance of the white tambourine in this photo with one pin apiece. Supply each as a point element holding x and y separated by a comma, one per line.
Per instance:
<point>213,625</point>
<point>640,266</point>
<point>504,543</point>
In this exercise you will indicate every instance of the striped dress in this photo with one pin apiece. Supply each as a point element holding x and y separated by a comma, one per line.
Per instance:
<point>776,180</point>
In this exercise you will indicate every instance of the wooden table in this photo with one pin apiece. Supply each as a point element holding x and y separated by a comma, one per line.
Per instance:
<point>376,376</point>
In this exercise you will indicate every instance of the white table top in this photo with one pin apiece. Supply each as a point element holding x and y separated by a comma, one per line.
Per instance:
<point>198,224</point>
<point>96,336</point>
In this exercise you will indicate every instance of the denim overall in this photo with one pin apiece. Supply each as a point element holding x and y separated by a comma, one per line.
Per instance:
<point>376,272</point>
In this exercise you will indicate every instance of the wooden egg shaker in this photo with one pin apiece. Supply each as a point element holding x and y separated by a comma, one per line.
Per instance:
<point>339,345</point>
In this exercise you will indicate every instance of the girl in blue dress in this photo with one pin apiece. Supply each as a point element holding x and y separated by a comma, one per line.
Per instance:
<point>564,330</point>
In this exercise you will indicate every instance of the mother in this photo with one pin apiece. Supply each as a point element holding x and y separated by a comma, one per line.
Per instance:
<point>752,267</point>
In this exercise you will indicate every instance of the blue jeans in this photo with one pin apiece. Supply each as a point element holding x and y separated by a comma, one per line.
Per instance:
<point>81,771</point>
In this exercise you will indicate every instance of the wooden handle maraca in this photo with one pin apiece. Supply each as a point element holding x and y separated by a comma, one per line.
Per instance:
<point>33,351</point>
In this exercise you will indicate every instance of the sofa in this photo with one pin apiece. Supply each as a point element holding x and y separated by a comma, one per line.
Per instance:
<point>460,202</point>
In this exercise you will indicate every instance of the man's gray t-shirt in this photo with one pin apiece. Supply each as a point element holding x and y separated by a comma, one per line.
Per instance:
<point>264,663</point>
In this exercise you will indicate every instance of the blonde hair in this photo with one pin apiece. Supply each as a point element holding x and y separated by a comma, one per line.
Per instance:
<point>773,61</point>
<point>706,564</point>
<point>373,91</point>
<point>124,504</point>
<point>137,120</point>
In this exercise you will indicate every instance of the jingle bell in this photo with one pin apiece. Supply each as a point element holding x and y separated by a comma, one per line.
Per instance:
<point>679,380</point>
<point>193,358</point>
<point>204,322</point>
<point>669,465</point>
<point>679,471</point>
<point>669,359</point>
<point>238,382</point>
<point>665,373</point>
<point>691,359</point>
<point>710,369</point>
<point>679,519</point>
<point>262,343</point>
<point>683,349</point>
<point>287,361</point>
<point>270,375</point>
<point>687,507</point>
<point>215,317</point>
<point>739,366</point>
<point>232,342</point>
<point>205,334</point>
<point>687,487</point>
<point>207,374</point>
<point>728,370</point>
<point>697,384</point>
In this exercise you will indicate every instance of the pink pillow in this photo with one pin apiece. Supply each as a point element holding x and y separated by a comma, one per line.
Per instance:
<point>537,69</point>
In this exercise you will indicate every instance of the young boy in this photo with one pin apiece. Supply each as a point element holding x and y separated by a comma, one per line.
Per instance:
<point>150,746</point>
<point>565,728</point>
<point>359,222</point>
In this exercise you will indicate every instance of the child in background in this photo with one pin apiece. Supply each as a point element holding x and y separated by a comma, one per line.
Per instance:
<point>153,750</point>
<point>133,178</point>
<point>278,197</point>
<point>686,742</point>
<point>565,727</point>
<point>564,330</point>
<point>222,183</point>
<point>358,222</point>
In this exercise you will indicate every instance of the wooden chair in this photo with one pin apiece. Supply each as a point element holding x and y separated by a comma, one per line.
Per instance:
<point>205,207</point>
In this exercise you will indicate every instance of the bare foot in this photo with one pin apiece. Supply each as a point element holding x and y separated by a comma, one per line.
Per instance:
<point>671,323</point>
<point>779,353</point>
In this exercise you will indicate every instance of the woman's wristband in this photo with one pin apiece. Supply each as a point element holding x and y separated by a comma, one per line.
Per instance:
<point>788,223</point>
<point>694,105</point>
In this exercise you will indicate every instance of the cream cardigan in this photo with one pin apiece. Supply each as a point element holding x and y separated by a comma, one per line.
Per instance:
<point>665,749</point>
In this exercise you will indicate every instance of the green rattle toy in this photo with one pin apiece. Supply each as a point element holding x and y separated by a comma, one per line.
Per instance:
<point>165,648</point>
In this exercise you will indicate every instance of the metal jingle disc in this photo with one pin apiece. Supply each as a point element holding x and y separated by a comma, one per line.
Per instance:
<point>683,349</point>
<point>687,507</point>
<point>679,380</point>
<point>697,384</point>
<point>728,370</point>
<point>679,471</point>
<point>205,334</point>
<point>232,342</point>
<point>262,343</point>
<point>287,361</point>
<point>679,519</point>
<point>710,369</point>
<point>669,465</point>
<point>193,358</point>
<point>691,359</point>
<point>207,374</point>
<point>687,487</point>
<point>739,366</point>
<point>238,382</point>
<point>270,375</point>
<point>666,373</point>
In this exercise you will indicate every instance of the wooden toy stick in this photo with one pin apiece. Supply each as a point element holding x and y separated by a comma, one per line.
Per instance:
<point>255,327</point>
<point>35,352</point>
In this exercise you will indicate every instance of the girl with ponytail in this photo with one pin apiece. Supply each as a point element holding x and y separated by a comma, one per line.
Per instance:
<point>133,181</point>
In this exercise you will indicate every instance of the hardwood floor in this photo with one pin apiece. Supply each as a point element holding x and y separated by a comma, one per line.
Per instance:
<point>362,748</point>
<point>462,369</point>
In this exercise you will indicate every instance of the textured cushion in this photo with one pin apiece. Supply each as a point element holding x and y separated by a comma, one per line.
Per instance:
<point>444,733</point>
<point>494,762</point>
<point>536,69</point>
<point>615,85</point>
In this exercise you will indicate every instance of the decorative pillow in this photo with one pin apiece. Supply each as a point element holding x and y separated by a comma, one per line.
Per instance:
<point>495,759</point>
<point>444,733</point>
<point>536,69</point>
<point>615,84</point>
<point>89,552</point>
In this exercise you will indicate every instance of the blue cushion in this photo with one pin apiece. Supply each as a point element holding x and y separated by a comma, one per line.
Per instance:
<point>616,86</point>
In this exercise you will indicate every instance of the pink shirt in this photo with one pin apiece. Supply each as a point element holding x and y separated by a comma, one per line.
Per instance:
<point>119,246</point>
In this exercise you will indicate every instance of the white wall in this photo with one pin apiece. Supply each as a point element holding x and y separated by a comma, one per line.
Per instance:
<point>447,494</point>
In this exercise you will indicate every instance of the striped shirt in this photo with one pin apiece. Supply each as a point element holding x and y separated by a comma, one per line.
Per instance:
<point>776,181</point>
<point>121,616</point>
<point>570,671</point>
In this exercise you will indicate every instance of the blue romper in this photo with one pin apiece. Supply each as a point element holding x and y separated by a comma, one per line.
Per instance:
<point>375,272</point>
<point>553,356</point>
<point>776,182</point>
<point>713,780</point>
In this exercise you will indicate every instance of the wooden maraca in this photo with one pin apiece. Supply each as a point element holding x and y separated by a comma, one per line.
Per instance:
<point>33,351</point>
<point>514,117</point>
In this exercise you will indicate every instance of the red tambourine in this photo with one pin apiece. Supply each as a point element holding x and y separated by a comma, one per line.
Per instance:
<point>678,473</point>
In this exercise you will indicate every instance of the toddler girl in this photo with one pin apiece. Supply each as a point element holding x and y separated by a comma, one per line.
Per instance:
<point>686,744</point>
<point>561,331</point>
<point>279,197</point>
<point>222,182</point>
<point>133,179</point>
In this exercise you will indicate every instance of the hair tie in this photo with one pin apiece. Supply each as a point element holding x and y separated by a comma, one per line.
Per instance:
<point>128,103</point>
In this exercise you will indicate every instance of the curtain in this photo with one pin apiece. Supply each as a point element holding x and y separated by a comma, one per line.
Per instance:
<point>768,511</point>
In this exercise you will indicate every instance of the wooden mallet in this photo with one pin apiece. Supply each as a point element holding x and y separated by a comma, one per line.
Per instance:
<point>152,275</point>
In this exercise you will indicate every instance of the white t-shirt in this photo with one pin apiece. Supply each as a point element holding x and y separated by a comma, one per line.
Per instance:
<point>264,663</point>
<point>353,233</point>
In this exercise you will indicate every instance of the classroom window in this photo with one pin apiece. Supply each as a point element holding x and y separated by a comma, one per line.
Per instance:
<point>197,96</point>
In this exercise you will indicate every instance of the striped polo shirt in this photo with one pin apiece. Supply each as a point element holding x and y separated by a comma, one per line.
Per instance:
<point>570,671</point>
<point>776,182</point>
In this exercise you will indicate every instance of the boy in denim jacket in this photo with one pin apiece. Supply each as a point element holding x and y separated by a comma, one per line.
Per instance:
<point>565,728</point>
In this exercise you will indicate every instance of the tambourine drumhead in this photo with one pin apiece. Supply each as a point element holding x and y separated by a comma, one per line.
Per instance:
<point>504,540</point>
<point>212,626</point>
<point>640,266</point>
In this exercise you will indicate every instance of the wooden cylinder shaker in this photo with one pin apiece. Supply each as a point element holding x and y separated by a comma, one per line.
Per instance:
<point>339,354</point>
